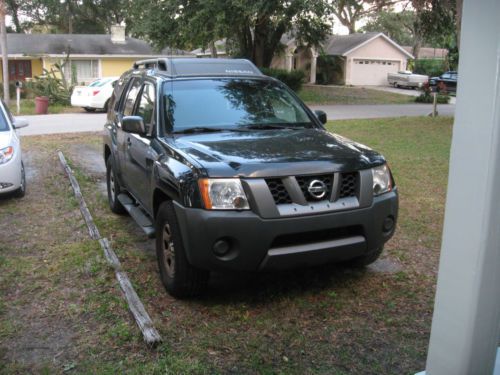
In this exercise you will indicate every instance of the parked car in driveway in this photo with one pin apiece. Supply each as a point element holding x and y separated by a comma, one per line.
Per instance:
<point>229,169</point>
<point>12,174</point>
<point>405,78</point>
<point>95,96</point>
<point>445,82</point>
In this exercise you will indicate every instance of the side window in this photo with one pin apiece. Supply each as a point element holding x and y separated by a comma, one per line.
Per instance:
<point>146,105</point>
<point>446,76</point>
<point>128,103</point>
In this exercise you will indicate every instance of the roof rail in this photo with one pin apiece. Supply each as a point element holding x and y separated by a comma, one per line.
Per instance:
<point>159,64</point>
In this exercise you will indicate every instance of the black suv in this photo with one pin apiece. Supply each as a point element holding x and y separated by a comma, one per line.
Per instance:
<point>230,170</point>
<point>446,82</point>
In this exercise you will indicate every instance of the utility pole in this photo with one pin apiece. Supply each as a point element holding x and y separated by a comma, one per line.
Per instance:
<point>5,55</point>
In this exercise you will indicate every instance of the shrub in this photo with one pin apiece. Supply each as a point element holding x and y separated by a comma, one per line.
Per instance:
<point>52,84</point>
<point>292,79</point>
<point>427,98</point>
<point>429,67</point>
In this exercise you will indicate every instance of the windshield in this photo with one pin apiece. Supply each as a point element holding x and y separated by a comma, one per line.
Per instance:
<point>3,122</point>
<point>230,103</point>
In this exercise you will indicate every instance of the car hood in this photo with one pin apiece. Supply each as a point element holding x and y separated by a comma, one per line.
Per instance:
<point>281,152</point>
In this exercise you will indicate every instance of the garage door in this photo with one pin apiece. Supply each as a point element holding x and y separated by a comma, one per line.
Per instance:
<point>372,72</point>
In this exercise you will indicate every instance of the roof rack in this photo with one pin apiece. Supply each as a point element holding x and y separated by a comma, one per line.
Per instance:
<point>192,67</point>
<point>159,64</point>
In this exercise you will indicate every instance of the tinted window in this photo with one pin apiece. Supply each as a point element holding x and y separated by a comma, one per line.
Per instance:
<point>4,126</point>
<point>230,103</point>
<point>146,105</point>
<point>128,105</point>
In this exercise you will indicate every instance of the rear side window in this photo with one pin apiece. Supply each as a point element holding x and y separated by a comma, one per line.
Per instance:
<point>128,104</point>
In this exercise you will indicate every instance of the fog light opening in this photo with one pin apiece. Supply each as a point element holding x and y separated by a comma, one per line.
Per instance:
<point>388,225</point>
<point>221,247</point>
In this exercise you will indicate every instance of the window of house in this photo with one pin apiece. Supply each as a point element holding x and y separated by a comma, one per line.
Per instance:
<point>85,70</point>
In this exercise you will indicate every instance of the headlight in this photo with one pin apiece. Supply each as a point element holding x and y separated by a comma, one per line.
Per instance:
<point>223,194</point>
<point>6,154</point>
<point>381,180</point>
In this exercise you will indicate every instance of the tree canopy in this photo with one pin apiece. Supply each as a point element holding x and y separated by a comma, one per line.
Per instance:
<point>252,29</point>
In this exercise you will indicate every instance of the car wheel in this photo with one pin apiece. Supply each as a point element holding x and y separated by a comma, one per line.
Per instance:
<point>395,84</point>
<point>366,259</point>
<point>113,188</point>
<point>180,278</point>
<point>88,109</point>
<point>105,109</point>
<point>21,192</point>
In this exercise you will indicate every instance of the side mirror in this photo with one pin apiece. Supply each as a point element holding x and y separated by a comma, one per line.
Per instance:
<point>20,122</point>
<point>133,124</point>
<point>321,116</point>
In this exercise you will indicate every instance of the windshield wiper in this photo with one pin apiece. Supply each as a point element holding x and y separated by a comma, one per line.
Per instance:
<point>272,126</point>
<point>201,129</point>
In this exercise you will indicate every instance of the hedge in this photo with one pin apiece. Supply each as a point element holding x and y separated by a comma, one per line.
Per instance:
<point>292,79</point>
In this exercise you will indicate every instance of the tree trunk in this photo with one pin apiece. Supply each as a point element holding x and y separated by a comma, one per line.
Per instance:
<point>213,49</point>
<point>5,55</point>
<point>14,9</point>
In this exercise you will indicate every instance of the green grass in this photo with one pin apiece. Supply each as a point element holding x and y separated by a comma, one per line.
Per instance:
<point>350,95</point>
<point>27,107</point>
<point>327,320</point>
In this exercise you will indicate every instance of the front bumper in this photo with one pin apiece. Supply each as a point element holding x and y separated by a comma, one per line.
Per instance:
<point>264,244</point>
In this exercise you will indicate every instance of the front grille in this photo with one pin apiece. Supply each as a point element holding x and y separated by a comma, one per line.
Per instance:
<point>278,190</point>
<point>348,184</point>
<point>304,182</point>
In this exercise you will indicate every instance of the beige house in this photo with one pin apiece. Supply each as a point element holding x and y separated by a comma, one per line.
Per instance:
<point>366,58</point>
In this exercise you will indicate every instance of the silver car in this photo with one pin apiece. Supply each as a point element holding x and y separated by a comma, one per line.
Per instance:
<point>12,176</point>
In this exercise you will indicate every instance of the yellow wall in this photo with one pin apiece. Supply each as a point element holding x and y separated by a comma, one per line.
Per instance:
<point>111,67</point>
<point>36,67</point>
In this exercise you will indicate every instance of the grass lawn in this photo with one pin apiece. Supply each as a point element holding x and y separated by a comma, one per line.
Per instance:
<point>350,95</point>
<point>61,309</point>
<point>28,108</point>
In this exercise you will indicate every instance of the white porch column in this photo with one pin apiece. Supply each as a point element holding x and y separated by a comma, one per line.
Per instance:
<point>314,59</point>
<point>465,325</point>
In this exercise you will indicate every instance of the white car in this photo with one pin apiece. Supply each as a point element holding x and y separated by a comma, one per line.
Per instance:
<point>94,96</point>
<point>12,176</point>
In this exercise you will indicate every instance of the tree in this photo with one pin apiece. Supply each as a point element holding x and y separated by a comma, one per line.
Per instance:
<point>399,26</point>
<point>68,16</point>
<point>253,28</point>
<point>349,12</point>
<point>5,54</point>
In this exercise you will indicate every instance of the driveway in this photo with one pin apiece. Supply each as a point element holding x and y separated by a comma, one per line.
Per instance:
<point>92,122</point>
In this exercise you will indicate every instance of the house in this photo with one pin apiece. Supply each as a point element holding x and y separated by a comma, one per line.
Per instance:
<point>364,58</point>
<point>92,56</point>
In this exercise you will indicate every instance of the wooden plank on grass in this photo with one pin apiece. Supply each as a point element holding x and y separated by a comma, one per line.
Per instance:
<point>149,332</point>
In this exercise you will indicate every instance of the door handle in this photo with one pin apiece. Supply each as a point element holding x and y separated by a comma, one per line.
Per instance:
<point>129,142</point>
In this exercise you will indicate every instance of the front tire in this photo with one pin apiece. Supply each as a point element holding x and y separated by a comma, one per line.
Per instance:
<point>113,188</point>
<point>21,192</point>
<point>181,279</point>
<point>366,259</point>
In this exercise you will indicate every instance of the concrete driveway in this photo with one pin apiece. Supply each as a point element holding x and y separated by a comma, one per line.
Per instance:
<point>92,122</point>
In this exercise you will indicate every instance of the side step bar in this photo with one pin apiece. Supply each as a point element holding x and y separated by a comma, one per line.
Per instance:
<point>138,215</point>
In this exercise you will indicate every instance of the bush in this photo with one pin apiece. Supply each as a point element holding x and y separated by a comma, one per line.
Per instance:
<point>292,79</point>
<point>429,67</point>
<point>52,84</point>
<point>428,98</point>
